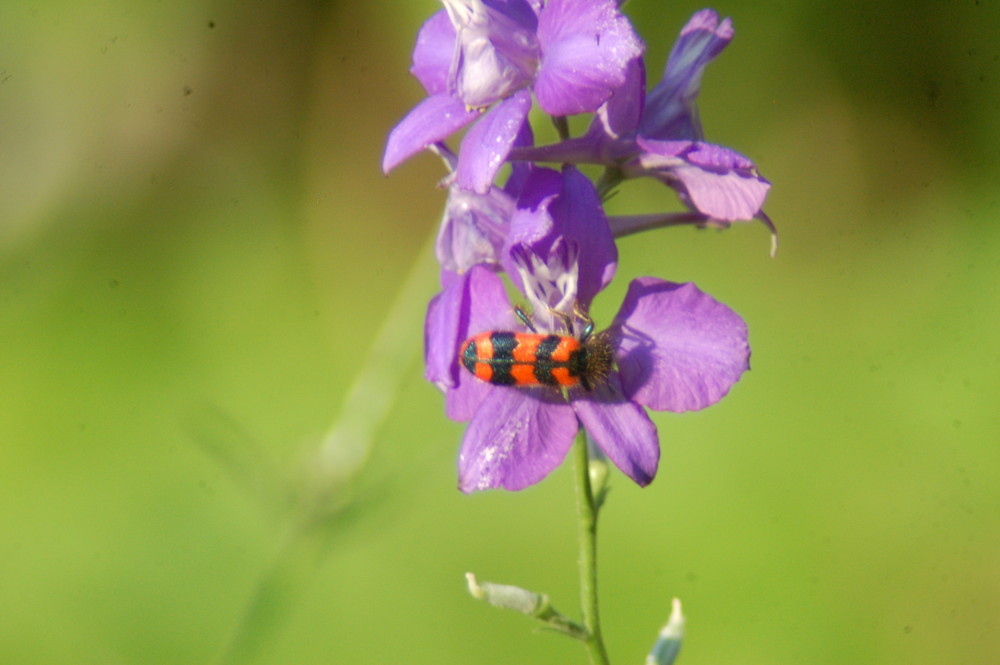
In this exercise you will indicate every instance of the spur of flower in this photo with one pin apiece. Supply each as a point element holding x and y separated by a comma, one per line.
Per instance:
<point>670,347</point>
<point>481,60</point>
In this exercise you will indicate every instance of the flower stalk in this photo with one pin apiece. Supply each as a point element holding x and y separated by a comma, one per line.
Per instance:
<point>587,511</point>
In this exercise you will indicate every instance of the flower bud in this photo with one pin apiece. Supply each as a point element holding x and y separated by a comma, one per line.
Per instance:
<point>668,645</point>
<point>597,468</point>
<point>507,596</point>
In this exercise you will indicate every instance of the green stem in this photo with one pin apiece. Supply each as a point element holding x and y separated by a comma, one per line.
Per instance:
<point>586,510</point>
<point>271,602</point>
<point>326,489</point>
<point>610,178</point>
<point>562,126</point>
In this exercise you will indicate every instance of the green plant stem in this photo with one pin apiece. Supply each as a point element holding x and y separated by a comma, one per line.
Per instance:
<point>586,510</point>
<point>327,486</point>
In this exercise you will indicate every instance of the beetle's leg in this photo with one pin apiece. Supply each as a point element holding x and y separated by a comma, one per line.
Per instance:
<point>566,319</point>
<point>519,313</point>
<point>588,323</point>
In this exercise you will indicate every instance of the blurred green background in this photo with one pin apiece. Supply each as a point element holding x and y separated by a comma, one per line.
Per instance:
<point>198,253</point>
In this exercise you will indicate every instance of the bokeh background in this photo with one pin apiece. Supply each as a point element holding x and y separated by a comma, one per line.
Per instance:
<point>199,257</point>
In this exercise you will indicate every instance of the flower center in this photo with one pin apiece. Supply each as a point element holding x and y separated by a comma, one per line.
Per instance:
<point>551,283</point>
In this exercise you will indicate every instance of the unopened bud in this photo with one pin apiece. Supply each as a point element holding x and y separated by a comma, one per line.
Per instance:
<point>533,604</point>
<point>597,469</point>
<point>669,643</point>
<point>507,596</point>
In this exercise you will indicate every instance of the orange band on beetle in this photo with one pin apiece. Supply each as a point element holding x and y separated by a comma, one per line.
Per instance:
<point>562,375</point>
<point>526,350</point>
<point>524,375</point>
<point>484,372</point>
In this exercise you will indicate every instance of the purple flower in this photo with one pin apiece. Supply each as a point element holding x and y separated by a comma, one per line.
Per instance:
<point>481,60</point>
<point>658,134</point>
<point>675,348</point>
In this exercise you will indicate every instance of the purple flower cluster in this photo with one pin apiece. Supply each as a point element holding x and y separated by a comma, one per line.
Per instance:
<point>544,232</point>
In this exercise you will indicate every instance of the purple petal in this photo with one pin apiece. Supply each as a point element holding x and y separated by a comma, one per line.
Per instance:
<point>578,214</point>
<point>729,197</point>
<point>473,302</point>
<point>440,325</point>
<point>585,45</point>
<point>516,438</point>
<point>678,348</point>
<point>487,144</point>
<point>531,220</point>
<point>519,171</point>
<point>489,307</point>
<point>463,401</point>
<point>522,12</point>
<point>620,116</point>
<point>621,429</point>
<point>718,182</point>
<point>608,140</point>
<point>432,120</point>
<point>433,52</point>
<point>474,228</point>
<point>670,106</point>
